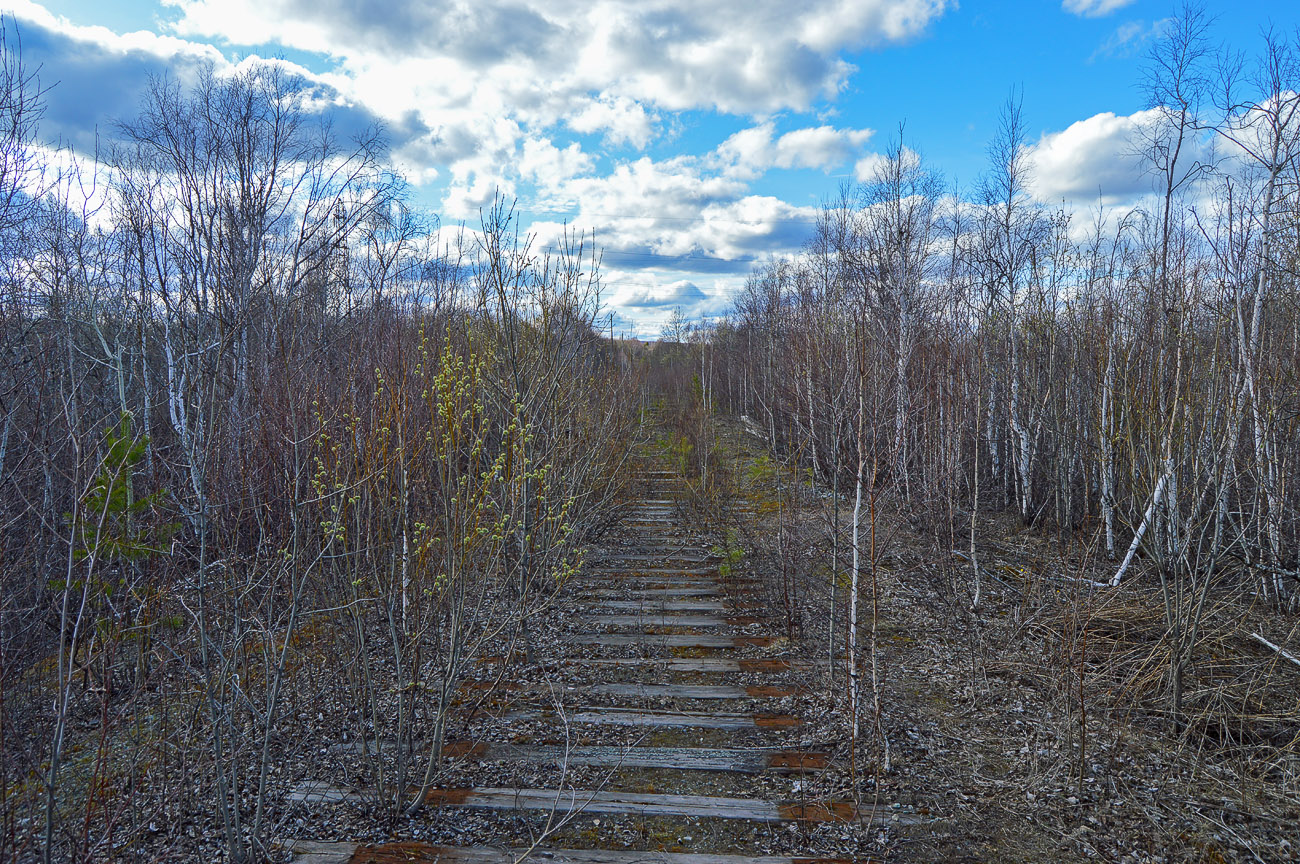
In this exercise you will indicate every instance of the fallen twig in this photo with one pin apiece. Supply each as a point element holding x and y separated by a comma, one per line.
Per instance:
<point>1278,648</point>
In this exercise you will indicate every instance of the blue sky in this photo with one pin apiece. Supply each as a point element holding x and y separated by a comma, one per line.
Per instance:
<point>694,139</point>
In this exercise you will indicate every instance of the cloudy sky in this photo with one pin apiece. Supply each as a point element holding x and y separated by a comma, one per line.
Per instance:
<point>694,138</point>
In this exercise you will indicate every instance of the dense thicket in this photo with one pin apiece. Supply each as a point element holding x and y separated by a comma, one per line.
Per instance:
<point>1124,377</point>
<point>267,455</point>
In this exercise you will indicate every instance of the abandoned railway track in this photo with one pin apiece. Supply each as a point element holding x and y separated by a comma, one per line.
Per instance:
<point>666,686</point>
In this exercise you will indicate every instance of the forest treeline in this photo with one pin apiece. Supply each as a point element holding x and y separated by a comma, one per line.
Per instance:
<point>1128,374</point>
<point>274,468</point>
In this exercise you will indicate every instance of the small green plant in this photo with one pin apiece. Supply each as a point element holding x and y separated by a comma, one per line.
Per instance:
<point>110,527</point>
<point>761,469</point>
<point>112,533</point>
<point>731,552</point>
<point>682,450</point>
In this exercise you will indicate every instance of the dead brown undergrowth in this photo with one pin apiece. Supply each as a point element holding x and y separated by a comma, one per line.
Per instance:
<point>1040,722</point>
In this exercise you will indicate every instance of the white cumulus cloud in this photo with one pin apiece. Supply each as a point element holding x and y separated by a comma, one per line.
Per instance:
<point>1095,157</point>
<point>752,151</point>
<point>606,68</point>
<point>1093,8</point>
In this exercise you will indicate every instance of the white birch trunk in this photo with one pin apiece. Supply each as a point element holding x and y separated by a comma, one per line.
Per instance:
<point>857,570</point>
<point>1156,498</point>
<point>1108,448</point>
<point>1021,435</point>
<point>901,399</point>
<point>812,422</point>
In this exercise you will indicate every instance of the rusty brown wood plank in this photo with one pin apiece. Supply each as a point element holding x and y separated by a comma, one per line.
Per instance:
<point>682,664</point>
<point>683,557</point>
<point>653,619</point>
<point>653,578</point>
<point>563,802</point>
<point>633,585</point>
<point>659,605</point>
<point>408,852</point>
<point>677,664</point>
<point>609,716</point>
<point>691,719</point>
<point>624,803</point>
<point>669,640</point>
<point>684,591</point>
<point>748,760</point>
<point>634,690</point>
<point>644,572</point>
<point>317,851</point>
<point>689,691</point>
<point>716,759</point>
